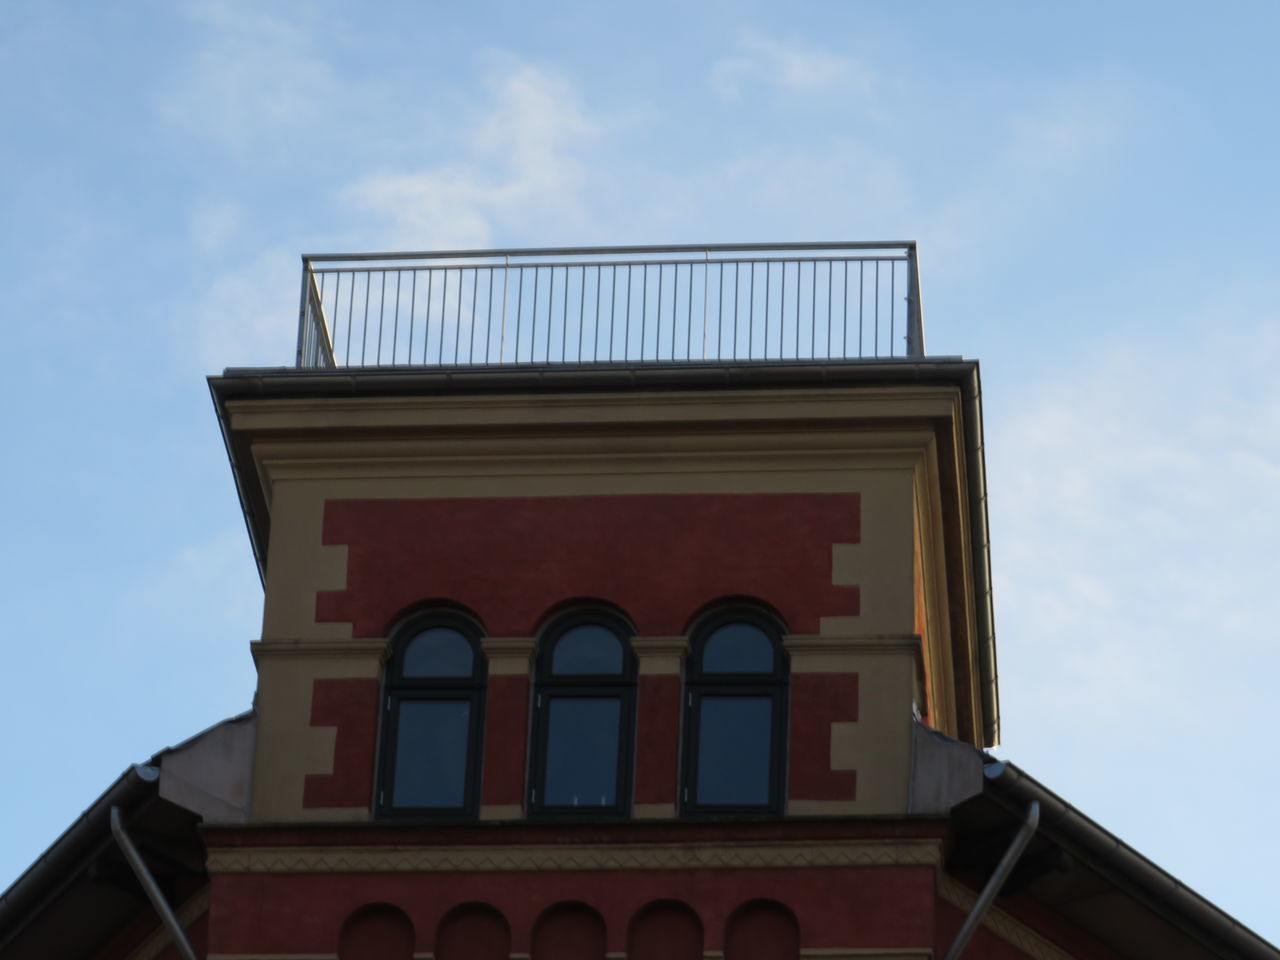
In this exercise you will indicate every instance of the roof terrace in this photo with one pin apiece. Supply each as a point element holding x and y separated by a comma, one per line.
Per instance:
<point>677,304</point>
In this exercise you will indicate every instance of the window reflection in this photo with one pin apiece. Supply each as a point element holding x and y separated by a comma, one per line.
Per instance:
<point>432,714</point>
<point>735,716</point>
<point>439,652</point>
<point>583,717</point>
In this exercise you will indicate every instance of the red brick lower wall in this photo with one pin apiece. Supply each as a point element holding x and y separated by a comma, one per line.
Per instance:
<point>834,907</point>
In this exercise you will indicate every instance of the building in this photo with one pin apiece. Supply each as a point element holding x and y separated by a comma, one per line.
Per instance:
<point>625,602</point>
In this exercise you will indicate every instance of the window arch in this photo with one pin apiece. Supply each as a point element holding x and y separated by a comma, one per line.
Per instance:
<point>762,930</point>
<point>735,716</point>
<point>584,717</point>
<point>433,709</point>
<point>376,930</point>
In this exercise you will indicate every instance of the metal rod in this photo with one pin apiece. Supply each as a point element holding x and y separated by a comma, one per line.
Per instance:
<point>302,309</point>
<point>413,309</point>
<point>644,311</point>
<point>519,305</point>
<point>502,338</point>
<point>149,885</point>
<point>444,306</point>
<point>688,317</point>
<point>530,252</point>
<point>582,309</point>
<point>488,319</point>
<point>893,305</point>
<point>720,312</point>
<point>475,287</point>
<point>1001,874</point>
<point>768,272</point>
<point>595,330</point>
<point>675,289</point>
<point>737,286</point>
<point>457,321</point>
<point>626,320</point>
<point>426,320</point>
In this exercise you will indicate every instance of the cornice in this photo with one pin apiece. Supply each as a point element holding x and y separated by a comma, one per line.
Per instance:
<point>815,643</point>
<point>568,857</point>
<point>361,648</point>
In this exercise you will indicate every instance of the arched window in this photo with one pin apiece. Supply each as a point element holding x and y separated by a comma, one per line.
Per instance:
<point>584,710</point>
<point>432,723</point>
<point>735,716</point>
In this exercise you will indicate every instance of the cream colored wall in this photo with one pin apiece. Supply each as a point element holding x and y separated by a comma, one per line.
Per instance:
<point>880,443</point>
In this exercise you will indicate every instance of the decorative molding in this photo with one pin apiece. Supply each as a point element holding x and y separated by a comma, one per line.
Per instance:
<point>501,811</point>
<point>654,811</point>
<point>1000,923</point>
<point>492,859</point>
<point>842,653</point>
<point>822,808</point>
<point>660,656</point>
<point>375,647</point>
<point>866,953</point>
<point>196,906</point>
<point>509,656</point>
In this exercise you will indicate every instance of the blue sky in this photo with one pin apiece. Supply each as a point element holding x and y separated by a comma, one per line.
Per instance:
<point>1093,187</point>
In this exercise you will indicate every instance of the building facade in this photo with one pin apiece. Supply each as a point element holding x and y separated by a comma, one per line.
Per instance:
<point>623,603</point>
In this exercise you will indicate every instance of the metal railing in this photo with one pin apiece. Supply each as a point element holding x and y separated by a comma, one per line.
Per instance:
<point>753,302</point>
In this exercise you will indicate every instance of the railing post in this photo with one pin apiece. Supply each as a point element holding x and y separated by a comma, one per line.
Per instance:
<point>915,315</point>
<point>302,313</point>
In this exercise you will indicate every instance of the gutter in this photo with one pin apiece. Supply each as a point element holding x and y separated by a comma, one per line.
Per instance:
<point>1128,869</point>
<point>980,545</point>
<point>149,885</point>
<point>60,865</point>
<point>996,881</point>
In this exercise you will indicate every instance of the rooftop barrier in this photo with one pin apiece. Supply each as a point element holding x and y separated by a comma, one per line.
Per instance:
<point>752,302</point>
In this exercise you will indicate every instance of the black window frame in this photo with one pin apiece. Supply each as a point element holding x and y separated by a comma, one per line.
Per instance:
<point>398,689</point>
<point>700,685</point>
<point>548,686</point>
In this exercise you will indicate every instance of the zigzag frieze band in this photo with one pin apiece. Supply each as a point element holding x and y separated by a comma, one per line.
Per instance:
<point>1000,923</point>
<point>530,858</point>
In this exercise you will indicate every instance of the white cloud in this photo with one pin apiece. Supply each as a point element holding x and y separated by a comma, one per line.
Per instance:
<point>1037,154</point>
<point>256,78</point>
<point>213,224</point>
<point>790,66</point>
<point>207,593</point>
<point>1134,532</point>
<point>248,315</point>
<point>521,169</point>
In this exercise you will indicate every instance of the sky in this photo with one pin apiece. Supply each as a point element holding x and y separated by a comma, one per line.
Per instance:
<point>1093,187</point>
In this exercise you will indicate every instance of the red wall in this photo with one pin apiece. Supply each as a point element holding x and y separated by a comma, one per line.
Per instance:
<point>660,558</point>
<point>817,701</point>
<point>834,907</point>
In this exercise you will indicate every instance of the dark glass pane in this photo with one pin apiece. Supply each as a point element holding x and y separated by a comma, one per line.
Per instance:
<point>588,649</point>
<point>734,745</point>
<point>738,648</point>
<point>439,652</point>
<point>582,751</point>
<point>431,753</point>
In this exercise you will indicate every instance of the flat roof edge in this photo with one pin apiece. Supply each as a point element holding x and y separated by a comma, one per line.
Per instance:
<point>364,381</point>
